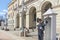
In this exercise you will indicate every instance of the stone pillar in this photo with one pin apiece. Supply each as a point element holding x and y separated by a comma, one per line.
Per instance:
<point>47,34</point>
<point>2,25</point>
<point>20,24</point>
<point>14,21</point>
<point>27,19</point>
<point>20,20</point>
<point>53,27</point>
<point>22,31</point>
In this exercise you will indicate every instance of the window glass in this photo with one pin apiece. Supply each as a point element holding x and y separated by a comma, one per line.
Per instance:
<point>35,17</point>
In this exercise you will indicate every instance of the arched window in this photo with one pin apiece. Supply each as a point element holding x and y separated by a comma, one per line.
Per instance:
<point>46,6</point>
<point>33,13</point>
<point>34,17</point>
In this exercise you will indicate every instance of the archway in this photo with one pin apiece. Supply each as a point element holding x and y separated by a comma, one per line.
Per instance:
<point>46,5</point>
<point>32,17</point>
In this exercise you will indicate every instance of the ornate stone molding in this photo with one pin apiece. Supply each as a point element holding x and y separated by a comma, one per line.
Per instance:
<point>30,1</point>
<point>11,2</point>
<point>57,6</point>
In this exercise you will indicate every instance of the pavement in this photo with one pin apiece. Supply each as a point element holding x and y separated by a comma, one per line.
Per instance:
<point>15,35</point>
<point>32,35</point>
<point>7,36</point>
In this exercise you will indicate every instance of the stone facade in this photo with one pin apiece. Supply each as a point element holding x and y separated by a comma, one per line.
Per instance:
<point>11,16</point>
<point>35,9</point>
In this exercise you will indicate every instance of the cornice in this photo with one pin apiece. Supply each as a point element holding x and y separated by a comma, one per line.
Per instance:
<point>26,3</point>
<point>11,3</point>
<point>57,6</point>
<point>30,1</point>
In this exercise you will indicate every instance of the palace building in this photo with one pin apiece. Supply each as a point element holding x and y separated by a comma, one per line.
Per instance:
<point>33,9</point>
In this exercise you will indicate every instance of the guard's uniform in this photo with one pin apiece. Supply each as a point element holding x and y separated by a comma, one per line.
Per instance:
<point>41,28</point>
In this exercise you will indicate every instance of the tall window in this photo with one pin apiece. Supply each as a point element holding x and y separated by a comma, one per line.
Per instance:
<point>34,14</point>
<point>46,6</point>
<point>35,17</point>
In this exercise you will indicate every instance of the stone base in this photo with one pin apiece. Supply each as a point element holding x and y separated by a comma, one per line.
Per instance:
<point>24,34</point>
<point>32,27</point>
<point>6,29</point>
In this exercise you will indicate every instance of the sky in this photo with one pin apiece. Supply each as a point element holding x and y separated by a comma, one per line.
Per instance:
<point>4,7</point>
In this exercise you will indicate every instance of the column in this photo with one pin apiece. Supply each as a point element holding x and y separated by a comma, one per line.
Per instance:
<point>47,34</point>
<point>27,19</point>
<point>20,24</point>
<point>53,27</point>
<point>14,20</point>
<point>20,21</point>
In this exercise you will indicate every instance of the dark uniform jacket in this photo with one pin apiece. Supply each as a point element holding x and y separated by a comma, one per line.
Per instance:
<point>41,27</point>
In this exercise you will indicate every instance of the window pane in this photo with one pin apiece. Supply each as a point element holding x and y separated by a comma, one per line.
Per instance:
<point>34,17</point>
